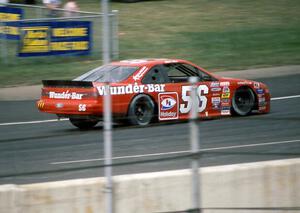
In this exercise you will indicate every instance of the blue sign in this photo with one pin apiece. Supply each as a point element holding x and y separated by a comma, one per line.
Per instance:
<point>55,38</point>
<point>9,30</point>
<point>10,14</point>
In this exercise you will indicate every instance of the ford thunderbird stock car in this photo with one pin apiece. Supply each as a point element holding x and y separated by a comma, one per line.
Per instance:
<point>148,90</point>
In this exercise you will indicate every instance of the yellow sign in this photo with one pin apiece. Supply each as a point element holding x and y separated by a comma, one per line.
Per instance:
<point>73,45</point>
<point>55,38</point>
<point>9,16</point>
<point>35,40</point>
<point>69,32</point>
<point>9,30</point>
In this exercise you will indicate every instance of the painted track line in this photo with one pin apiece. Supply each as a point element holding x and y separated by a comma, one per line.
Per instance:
<point>33,122</point>
<point>178,152</point>
<point>56,120</point>
<point>285,97</point>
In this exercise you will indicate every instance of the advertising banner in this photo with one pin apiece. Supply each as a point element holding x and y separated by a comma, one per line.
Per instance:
<point>55,38</point>
<point>9,30</point>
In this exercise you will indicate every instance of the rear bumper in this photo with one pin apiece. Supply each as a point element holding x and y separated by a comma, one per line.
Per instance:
<point>65,107</point>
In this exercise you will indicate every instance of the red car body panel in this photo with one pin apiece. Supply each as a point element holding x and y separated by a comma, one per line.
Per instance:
<point>171,98</point>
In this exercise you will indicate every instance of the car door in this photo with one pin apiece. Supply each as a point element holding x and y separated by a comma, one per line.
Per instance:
<point>179,74</point>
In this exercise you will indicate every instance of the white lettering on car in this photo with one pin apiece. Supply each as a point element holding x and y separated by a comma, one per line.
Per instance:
<point>65,95</point>
<point>132,89</point>
<point>82,107</point>
<point>186,107</point>
<point>140,74</point>
<point>224,84</point>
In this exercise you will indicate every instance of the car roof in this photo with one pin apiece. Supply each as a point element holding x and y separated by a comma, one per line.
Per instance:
<point>146,61</point>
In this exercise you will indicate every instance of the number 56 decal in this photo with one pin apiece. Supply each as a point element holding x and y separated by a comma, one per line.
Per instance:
<point>186,107</point>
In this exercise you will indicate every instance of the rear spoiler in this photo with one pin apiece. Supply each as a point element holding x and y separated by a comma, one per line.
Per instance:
<point>67,83</point>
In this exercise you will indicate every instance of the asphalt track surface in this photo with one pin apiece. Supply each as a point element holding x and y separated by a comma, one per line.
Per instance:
<point>51,150</point>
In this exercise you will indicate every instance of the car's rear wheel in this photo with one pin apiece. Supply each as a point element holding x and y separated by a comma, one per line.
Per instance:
<point>243,101</point>
<point>83,123</point>
<point>141,110</point>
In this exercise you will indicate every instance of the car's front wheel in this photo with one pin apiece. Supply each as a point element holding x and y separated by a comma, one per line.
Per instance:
<point>83,123</point>
<point>243,101</point>
<point>141,110</point>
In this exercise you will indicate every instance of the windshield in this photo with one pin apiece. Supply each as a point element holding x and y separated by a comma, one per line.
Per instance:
<point>108,73</point>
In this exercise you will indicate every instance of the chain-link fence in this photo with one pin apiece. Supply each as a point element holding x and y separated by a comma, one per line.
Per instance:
<point>159,147</point>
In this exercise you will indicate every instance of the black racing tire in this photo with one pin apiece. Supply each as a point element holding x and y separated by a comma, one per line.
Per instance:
<point>141,110</point>
<point>83,123</point>
<point>243,101</point>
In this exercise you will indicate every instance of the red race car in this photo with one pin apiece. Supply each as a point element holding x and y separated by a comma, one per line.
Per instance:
<point>146,90</point>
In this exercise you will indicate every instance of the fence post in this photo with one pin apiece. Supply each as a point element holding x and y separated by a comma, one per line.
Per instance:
<point>194,140</point>
<point>107,110</point>
<point>115,34</point>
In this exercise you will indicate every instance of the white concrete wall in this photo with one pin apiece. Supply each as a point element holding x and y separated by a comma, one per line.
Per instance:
<point>266,184</point>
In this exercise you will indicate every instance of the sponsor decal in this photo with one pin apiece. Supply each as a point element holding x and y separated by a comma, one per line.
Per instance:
<point>260,91</point>
<point>256,85</point>
<point>215,100</point>
<point>225,111</point>
<point>66,95</point>
<point>261,101</point>
<point>168,106</point>
<point>262,104</point>
<point>226,90</point>
<point>40,104</point>
<point>215,84</point>
<point>59,105</point>
<point>225,95</point>
<point>140,74</point>
<point>225,84</point>
<point>244,83</point>
<point>261,108</point>
<point>168,103</point>
<point>216,107</point>
<point>215,94</point>
<point>225,102</point>
<point>261,95</point>
<point>132,89</point>
<point>215,89</point>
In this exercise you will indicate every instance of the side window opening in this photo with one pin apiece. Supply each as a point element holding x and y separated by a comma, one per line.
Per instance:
<point>156,75</point>
<point>175,73</point>
<point>203,76</point>
<point>181,72</point>
<point>178,73</point>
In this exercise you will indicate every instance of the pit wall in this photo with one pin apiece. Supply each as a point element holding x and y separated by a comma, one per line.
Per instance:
<point>265,184</point>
